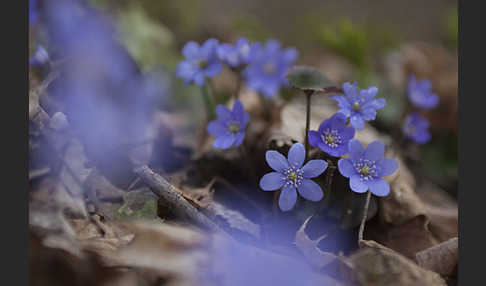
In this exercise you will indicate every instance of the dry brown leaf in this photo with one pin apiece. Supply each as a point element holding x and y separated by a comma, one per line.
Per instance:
<point>407,238</point>
<point>441,258</point>
<point>308,247</point>
<point>377,265</point>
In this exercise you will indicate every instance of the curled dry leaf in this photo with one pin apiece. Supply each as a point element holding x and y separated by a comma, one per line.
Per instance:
<point>377,265</point>
<point>309,249</point>
<point>441,258</point>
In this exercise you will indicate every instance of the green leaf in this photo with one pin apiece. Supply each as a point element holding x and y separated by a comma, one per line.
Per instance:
<point>308,78</point>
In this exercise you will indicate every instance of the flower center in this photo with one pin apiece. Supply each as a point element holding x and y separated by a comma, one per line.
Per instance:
<point>233,128</point>
<point>203,64</point>
<point>356,106</point>
<point>269,68</point>
<point>366,169</point>
<point>331,138</point>
<point>293,176</point>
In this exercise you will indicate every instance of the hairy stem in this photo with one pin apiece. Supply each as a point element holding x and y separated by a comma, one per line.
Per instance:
<point>307,122</point>
<point>363,220</point>
<point>208,101</point>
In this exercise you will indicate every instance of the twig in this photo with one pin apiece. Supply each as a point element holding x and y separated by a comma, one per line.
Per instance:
<point>163,189</point>
<point>363,220</point>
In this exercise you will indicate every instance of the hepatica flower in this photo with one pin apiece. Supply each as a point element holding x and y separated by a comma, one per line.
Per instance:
<point>229,128</point>
<point>237,55</point>
<point>269,64</point>
<point>201,62</point>
<point>365,167</point>
<point>332,136</point>
<point>415,127</point>
<point>40,57</point>
<point>420,94</point>
<point>359,105</point>
<point>292,177</point>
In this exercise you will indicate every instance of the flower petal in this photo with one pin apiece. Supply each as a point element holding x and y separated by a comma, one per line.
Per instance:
<point>346,168</point>
<point>368,113</point>
<point>223,112</point>
<point>216,128</point>
<point>296,155</point>
<point>276,161</point>
<point>357,185</point>
<point>191,50</point>
<point>239,138</point>
<point>387,166</point>
<point>310,190</point>
<point>314,138</point>
<point>238,110</point>
<point>347,133</point>
<point>356,150</point>
<point>314,168</point>
<point>287,198</point>
<point>374,151</point>
<point>272,181</point>
<point>213,69</point>
<point>224,142</point>
<point>379,187</point>
<point>350,89</point>
<point>357,122</point>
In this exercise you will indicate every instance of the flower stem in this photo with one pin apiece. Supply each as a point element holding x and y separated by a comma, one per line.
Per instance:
<point>208,101</point>
<point>308,94</point>
<point>239,83</point>
<point>363,220</point>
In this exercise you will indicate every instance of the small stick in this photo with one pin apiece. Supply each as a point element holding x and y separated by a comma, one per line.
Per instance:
<point>363,220</point>
<point>162,188</point>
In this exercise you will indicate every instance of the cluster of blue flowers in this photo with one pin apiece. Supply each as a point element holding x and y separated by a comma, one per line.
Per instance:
<point>415,126</point>
<point>263,66</point>
<point>364,167</point>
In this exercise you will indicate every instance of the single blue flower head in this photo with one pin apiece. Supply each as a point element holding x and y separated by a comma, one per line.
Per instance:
<point>33,11</point>
<point>420,94</point>
<point>291,176</point>
<point>268,66</point>
<point>332,136</point>
<point>359,106</point>
<point>201,62</point>
<point>365,167</point>
<point>40,57</point>
<point>229,128</point>
<point>415,127</point>
<point>237,55</point>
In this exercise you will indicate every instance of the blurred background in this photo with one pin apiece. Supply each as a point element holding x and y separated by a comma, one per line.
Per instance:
<point>373,42</point>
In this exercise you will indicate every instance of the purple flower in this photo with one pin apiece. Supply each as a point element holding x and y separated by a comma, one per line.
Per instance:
<point>229,128</point>
<point>268,67</point>
<point>33,11</point>
<point>415,127</point>
<point>332,136</point>
<point>238,54</point>
<point>290,176</point>
<point>365,167</point>
<point>40,57</point>
<point>420,94</point>
<point>360,106</point>
<point>201,62</point>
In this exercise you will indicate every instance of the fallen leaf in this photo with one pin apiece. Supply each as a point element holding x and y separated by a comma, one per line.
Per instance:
<point>441,258</point>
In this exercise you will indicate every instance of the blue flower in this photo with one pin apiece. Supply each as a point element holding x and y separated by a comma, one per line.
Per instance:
<point>269,64</point>
<point>359,106</point>
<point>332,136</point>
<point>291,176</point>
<point>420,94</point>
<point>201,62</point>
<point>40,57</point>
<point>33,11</point>
<point>229,128</point>
<point>415,127</point>
<point>237,55</point>
<point>365,167</point>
